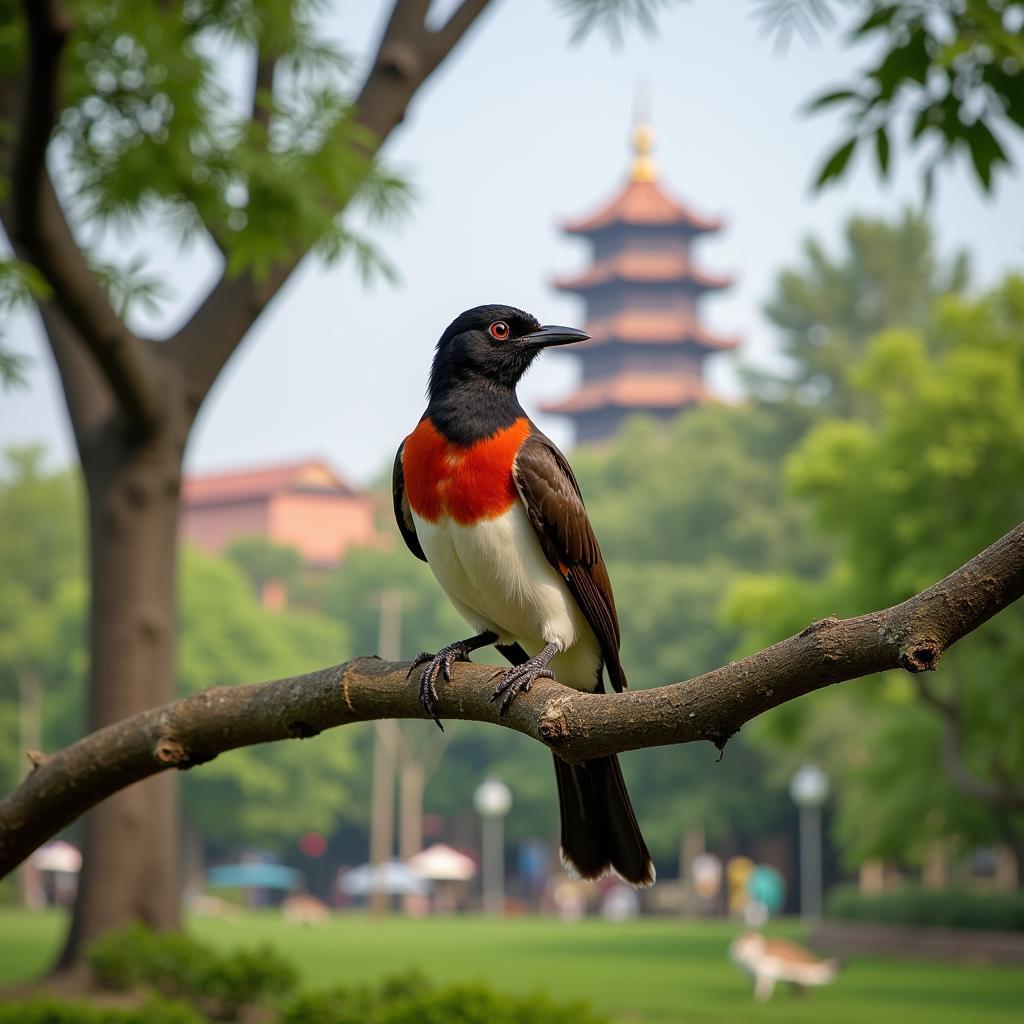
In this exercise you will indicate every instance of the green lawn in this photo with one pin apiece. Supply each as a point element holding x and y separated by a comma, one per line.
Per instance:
<point>657,970</point>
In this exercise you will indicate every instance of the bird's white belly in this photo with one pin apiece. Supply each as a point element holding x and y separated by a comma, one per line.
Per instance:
<point>495,574</point>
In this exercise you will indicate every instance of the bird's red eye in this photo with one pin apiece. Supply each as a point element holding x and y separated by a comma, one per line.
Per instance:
<point>499,330</point>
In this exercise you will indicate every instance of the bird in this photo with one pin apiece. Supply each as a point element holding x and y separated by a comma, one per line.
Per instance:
<point>492,506</point>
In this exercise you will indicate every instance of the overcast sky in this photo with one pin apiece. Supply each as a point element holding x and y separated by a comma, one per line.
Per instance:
<point>516,132</point>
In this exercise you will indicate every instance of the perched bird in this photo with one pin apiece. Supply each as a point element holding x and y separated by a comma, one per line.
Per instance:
<point>492,506</point>
<point>773,960</point>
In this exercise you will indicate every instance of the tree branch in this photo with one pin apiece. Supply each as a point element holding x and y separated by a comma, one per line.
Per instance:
<point>577,726</point>
<point>407,55</point>
<point>41,235</point>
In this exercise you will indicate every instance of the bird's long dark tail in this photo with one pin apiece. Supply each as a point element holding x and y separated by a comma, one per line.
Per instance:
<point>599,829</point>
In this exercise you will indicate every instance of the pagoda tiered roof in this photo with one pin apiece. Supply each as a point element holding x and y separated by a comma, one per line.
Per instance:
<point>643,268</point>
<point>654,327</point>
<point>633,391</point>
<point>647,346</point>
<point>642,204</point>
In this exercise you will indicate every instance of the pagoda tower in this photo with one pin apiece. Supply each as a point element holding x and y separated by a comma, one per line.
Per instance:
<point>647,347</point>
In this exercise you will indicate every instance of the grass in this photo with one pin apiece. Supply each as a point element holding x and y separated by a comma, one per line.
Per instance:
<point>657,971</point>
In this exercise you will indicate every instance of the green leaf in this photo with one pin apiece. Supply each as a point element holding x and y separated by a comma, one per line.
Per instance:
<point>13,369</point>
<point>880,17</point>
<point>986,152</point>
<point>828,99</point>
<point>836,163</point>
<point>882,150</point>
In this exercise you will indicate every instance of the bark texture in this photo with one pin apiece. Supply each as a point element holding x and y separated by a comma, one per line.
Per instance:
<point>132,402</point>
<point>578,726</point>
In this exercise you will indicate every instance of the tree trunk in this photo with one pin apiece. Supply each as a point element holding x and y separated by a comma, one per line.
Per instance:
<point>131,867</point>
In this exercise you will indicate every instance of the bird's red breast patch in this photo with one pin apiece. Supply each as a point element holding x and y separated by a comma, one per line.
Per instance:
<point>466,482</point>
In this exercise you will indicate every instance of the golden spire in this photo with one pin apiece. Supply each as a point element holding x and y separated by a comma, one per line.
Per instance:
<point>644,168</point>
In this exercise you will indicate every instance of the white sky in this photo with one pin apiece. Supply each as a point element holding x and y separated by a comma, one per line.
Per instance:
<point>516,132</point>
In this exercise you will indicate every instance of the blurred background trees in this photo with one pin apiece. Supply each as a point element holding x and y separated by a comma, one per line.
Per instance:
<point>134,128</point>
<point>735,527</point>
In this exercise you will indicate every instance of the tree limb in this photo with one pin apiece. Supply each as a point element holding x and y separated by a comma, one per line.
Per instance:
<point>407,55</point>
<point>577,726</point>
<point>41,235</point>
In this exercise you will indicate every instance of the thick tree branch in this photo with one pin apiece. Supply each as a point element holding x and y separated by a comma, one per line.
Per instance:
<point>41,235</point>
<point>577,726</point>
<point>407,55</point>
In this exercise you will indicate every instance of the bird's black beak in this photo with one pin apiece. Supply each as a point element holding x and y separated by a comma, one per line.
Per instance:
<point>548,336</point>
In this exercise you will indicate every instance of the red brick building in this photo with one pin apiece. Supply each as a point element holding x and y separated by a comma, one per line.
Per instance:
<point>647,348</point>
<point>305,505</point>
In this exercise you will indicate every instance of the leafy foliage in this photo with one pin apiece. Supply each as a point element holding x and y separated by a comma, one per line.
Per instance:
<point>413,999</point>
<point>784,17</point>
<point>265,562</point>
<point>909,492</point>
<point>41,551</point>
<point>888,275</point>
<point>224,985</point>
<point>179,966</point>
<point>612,15</point>
<point>150,130</point>
<point>265,795</point>
<point>20,286</point>
<point>952,71</point>
<point>48,1010</point>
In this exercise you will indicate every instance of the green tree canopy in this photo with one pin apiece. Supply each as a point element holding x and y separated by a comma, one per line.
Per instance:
<point>889,274</point>
<point>908,494</point>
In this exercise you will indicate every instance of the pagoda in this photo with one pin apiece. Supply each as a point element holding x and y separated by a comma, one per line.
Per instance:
<point>647,347</point>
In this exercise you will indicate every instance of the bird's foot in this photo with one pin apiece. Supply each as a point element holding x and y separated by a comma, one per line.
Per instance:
<point>439,664</point>
<point>520,678</point>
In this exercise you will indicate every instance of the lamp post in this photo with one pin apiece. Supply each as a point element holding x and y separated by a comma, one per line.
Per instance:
<point>492,801</point>
<point>809,790</point>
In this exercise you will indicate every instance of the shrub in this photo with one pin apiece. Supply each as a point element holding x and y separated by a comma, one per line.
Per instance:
<point>171,962</point>
<point>248,976</point>
<point>54,1011</point>
<point>177,965</point>
<point>412,999</point>
<point>911,905</point>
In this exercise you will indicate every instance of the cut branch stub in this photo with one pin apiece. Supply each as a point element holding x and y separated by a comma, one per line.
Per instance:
<point>921,656</point>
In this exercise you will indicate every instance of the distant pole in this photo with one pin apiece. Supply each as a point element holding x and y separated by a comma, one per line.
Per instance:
<point>809,790</point>
<point>385,750</point>
<point>691,847</point>
<point>493,800</point>
<point>410,814</point>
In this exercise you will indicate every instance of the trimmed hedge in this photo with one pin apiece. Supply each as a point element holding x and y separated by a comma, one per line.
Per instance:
<point>911,905</point>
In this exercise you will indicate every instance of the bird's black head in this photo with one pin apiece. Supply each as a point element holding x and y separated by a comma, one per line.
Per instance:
<point>492,346</point>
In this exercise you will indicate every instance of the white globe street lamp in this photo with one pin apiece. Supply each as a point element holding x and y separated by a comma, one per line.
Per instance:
<point>809,790</point>
<point>492,801</point>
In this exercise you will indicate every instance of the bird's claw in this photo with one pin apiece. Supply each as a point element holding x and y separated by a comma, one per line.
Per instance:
<point>519,679</point>
<point>437,664</point>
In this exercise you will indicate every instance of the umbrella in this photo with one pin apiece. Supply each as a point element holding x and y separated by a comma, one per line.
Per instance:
<point>443,864</point>
<point>58,856</point>
<point>254,876</point>
<point>392,877</point>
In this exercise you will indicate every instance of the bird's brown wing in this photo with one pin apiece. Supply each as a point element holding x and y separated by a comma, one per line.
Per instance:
<point>403,516</point>
<point>553,501</point>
